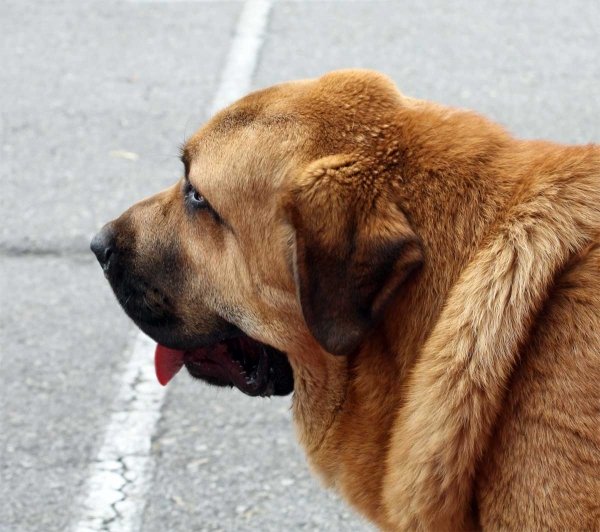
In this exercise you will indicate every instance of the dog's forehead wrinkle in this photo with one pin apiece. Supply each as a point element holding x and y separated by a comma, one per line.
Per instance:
<point>242,169</point>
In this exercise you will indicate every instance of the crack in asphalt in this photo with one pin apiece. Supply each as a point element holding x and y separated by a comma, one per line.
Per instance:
<point>123,471</point>
<point>117,513</point>
<point>17,250</point>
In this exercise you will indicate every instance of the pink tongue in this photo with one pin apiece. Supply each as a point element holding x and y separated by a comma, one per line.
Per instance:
<point>167,363</point>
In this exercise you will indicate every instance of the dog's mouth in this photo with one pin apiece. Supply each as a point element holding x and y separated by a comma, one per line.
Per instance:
<point>251,366</point>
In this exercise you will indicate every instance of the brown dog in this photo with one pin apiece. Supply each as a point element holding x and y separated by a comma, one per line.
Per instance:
<point>456,269</point>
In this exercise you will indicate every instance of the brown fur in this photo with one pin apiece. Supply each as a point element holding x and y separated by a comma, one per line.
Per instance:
<point>456,268</point>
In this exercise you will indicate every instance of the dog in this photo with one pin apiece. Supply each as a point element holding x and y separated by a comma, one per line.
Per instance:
<point>427,285</point>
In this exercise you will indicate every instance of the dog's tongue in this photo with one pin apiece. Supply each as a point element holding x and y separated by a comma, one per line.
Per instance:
<point>167,363</point>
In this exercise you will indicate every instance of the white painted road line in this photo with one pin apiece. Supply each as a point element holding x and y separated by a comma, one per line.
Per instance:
<point>240,1</point>
<point>243,54</point>
<point>123,472</point>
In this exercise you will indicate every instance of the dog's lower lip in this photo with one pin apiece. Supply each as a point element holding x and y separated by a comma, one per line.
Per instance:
<point>241,362</point>
<point>203,368</point>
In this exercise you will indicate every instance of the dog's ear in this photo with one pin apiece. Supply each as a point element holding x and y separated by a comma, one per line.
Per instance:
<point>353,248</point>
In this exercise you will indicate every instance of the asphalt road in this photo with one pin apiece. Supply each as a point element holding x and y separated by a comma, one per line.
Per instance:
<point>96,98</point>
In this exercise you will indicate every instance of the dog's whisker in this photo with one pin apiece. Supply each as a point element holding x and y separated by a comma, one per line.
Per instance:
<point>185,131</point>
<point>149,307</point>
<point>167,157</point>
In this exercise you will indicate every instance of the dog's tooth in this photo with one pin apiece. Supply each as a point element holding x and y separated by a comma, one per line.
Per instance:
<point>256,382</point>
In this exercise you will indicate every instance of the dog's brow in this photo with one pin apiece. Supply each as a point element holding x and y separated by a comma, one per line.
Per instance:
<point>185,159</point>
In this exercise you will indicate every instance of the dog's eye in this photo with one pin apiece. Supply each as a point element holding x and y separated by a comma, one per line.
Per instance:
<point>195,199</point>
<point>198,200</point>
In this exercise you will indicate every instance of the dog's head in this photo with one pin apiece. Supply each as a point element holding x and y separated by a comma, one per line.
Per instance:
<point>284,234</point>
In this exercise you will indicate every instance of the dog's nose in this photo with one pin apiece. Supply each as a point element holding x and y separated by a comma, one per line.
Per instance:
<point>103,245</point>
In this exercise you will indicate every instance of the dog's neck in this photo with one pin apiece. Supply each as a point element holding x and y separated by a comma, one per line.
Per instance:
<point>452,214</point>
<point>452,191</point>
<point>450,232</point>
